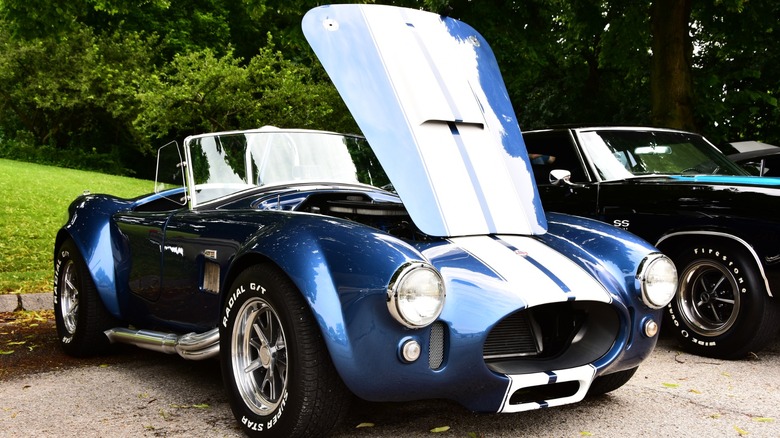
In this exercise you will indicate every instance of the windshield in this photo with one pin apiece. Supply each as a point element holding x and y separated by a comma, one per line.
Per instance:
<point>619,154</point>
<point>225,163</point>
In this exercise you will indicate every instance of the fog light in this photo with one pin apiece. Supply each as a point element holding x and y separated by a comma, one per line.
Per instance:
<point>410,350</point>
<point>651,328</point>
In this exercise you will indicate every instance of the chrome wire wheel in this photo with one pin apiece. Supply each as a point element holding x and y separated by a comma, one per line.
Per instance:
<point>69,296</point>
<point>259,356</point>
<point>709,299</point>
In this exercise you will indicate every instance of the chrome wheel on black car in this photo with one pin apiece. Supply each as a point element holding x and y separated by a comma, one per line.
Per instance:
<point>722,308</point>
<point>709,298</point>
<point>274,362</point>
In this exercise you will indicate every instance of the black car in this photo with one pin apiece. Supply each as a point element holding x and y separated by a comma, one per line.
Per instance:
<point>675,189</point>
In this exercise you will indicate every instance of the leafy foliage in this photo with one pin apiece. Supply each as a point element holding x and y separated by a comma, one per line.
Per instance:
<point>737,83</point>
<point>567,61</point>
<point>583,62</point>
<point>71,92</point>
<point>204,93</point>
<point>100,83</point>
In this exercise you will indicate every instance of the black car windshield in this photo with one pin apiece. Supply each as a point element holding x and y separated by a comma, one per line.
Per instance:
<point>225,163</point>
<point>621,154</point>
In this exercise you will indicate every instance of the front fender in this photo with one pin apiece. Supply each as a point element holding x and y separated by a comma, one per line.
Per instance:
<point>613,256</point>
<point>335,264</point>
<point>89,226</point>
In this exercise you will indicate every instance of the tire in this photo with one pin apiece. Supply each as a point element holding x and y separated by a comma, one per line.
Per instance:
<point>610,382</point>
<point>275,366</point>
<point>80,316</point>
<point>721,308</point>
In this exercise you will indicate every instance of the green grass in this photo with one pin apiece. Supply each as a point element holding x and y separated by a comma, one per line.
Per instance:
<point>34,203</point>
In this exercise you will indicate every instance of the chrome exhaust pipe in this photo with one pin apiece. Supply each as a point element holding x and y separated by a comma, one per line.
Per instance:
<point>193,346</point>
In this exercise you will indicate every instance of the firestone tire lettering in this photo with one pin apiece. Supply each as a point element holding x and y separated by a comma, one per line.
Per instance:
<point>721,308</point>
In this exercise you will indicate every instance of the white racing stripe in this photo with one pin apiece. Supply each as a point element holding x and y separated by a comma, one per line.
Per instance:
<point>428,94</point>
<point>541,274</point>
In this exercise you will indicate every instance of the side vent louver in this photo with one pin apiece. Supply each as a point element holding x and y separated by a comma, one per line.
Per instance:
<point>436,346</point>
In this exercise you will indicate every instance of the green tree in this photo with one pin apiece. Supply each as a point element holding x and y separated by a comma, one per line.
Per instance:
<point>567,62</point>
<point>201,92</point>
<point>670,78</point>
<point>72,89</point>
<point>706,66</point>
<point>98,81</point>
<point>736,79</point>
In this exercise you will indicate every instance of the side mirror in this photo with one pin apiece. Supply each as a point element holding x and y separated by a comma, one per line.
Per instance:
<point>560,177</point>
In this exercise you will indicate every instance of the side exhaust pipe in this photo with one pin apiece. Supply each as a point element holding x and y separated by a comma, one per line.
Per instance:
<point>193,346</point>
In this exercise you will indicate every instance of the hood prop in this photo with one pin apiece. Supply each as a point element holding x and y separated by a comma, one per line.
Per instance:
<point>193,346</point>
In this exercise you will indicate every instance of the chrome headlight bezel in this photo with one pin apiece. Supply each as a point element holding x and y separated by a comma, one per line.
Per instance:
<point>658,280</point>
<point>415,295</point>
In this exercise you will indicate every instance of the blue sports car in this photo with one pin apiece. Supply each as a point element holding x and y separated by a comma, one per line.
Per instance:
<point>315,266</point>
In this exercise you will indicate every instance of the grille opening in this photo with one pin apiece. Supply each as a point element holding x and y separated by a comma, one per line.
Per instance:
<point>551,336</point>
<point>543,393</point>
<point>541,332</point>
<point>517,336</point>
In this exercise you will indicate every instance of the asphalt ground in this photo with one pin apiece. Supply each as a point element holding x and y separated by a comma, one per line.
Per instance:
<point>146,394</point>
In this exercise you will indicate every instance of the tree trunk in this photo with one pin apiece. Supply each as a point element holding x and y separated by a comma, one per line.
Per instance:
<point>671,84</point>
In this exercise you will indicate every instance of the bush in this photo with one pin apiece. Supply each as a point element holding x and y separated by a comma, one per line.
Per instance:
<point>21,148</point>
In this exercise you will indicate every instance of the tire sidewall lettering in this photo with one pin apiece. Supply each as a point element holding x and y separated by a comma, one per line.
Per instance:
<point>239,295</point>
<point>278,415</point>
<point>726,261</point>
<point>251,425</point>
<point>233,299</point>
<point>63,257</point>
<point>260,426</point>
<point>733,265</point>
<point>735,269</point>
<point>57,267</point>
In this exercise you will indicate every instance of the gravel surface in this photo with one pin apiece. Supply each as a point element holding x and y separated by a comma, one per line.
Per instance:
<point>136,393</point>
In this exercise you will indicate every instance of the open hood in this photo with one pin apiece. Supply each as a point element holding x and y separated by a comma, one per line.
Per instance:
<point>427,93</point>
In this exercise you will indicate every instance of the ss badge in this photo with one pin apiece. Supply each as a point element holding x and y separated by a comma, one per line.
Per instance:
<point>621,223</point>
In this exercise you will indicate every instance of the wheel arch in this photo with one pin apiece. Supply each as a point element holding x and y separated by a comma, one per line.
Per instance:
<point>96,249</point>
<point>331,271</point>
<point>675,242</point>
<point>315,300</point>
<point>240,265</point>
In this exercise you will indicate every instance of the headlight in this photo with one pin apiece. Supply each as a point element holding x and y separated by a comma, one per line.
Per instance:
<point>659,280</point>
<point>415,295</point>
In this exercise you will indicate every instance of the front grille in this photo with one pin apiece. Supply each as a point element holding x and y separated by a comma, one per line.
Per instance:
<point>513,337</point>
<point>551,336</point>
